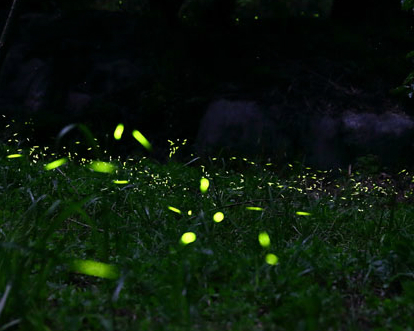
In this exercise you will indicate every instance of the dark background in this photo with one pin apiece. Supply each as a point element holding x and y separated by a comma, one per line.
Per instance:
<point>169,59</point>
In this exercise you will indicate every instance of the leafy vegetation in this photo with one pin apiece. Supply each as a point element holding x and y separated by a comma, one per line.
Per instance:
<point>138,245</point>
<point>407,87</point>
<point>133,244</point>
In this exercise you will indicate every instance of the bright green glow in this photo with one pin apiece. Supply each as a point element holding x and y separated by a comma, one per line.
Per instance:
<point>118,131</point>
<point>120,182</point>
<point>204,184</point>
<point>190,212</point>
<point>256,17</point>
<point>218,217</point>
<point>93,268</point>
<point>254,208</point>
<point>14,156</point>
<point>175,210</point>
<point>100,166</point>
<point>303,213</point>
<point>55,164</point>
<point>264,239</point>
<point>188,238</point>
<point>271,259</point>
<point>141,139</point>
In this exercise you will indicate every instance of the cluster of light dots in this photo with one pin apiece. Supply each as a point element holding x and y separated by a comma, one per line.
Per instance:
<point>174,146</point>
<point>310,181</point>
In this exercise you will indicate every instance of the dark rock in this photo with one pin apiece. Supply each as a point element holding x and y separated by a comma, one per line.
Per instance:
<point>242,127</point>
<point>61,67</point>
<point>77,102</point>
<point>26,83</point>
<point>388,135</point>
<point>323,146</point>
<point>325,141</point>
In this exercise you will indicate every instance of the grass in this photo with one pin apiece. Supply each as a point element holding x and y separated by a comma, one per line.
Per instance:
<point>343,246</point>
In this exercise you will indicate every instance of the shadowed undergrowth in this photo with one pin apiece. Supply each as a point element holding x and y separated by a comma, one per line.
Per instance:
<point>138,245</point>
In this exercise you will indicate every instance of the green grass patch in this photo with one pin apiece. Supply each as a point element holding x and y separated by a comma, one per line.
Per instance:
<point>139,245</point>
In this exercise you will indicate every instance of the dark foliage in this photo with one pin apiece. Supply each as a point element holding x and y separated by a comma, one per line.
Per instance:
<point>189,63</point>
<point>364,12</point>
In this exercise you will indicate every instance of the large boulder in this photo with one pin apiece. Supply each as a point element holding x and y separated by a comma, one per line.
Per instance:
<point>324,148</point>
<point>388,135</point>
<point>322,141</point>
<point>59,69</point>
<point>242,127</point>
<point>25,82</point>
<point>335,141</point>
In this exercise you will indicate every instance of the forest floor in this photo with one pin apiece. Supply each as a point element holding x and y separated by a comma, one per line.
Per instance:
<point>138,245</point>
<point>141,245</point>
